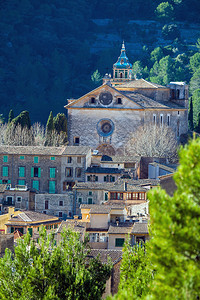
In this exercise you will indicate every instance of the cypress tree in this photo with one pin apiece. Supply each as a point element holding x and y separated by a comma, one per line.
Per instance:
<point>60,123</point>
<point>10,116</point>
<point>50,124</point>
<point>190,115</point>
<point>197,129</point>
<point>49,130</point>
<point>22,119</point>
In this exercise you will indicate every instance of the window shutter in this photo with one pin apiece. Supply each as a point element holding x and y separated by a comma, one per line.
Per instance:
<point>32,172</point>
<point>39,172</point>
<point>9,181</point>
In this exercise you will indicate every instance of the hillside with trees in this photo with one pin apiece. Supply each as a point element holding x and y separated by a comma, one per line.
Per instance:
<point>50,49</point>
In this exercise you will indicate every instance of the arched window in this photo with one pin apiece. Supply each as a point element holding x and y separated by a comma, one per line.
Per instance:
<point>121,75</point>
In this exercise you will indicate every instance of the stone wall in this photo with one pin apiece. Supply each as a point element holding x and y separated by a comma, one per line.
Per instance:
<point>6,241</point>
<point>54,206</point>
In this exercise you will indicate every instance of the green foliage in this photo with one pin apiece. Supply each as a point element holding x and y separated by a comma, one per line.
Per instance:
<point>175,246</point>
<point>60,123</point>
<point>157,54</point>
<point>136,273</point>
<point>10,116</point>
<point>96,77</point>
<point>162,72</point>
<point>1,119</point>
<point>22,119</point>
<point>190,115</point>
<point>196,106</point>
<point>50,123</point>
<point>170,32</point>
<point>165,12</point>
<point>137,70</point>
<point>195,81</point>
<point>195,61</point>
<point>52,272</point>
<point>197,128</point>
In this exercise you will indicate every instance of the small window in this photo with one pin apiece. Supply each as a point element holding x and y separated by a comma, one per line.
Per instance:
<point>88,178</point>
<point>90,193</point>
<point>19,199</point>
<point>44,212</point>
<point>119,242</point>
<point>119,100</point>
<point>76,140</point>
<point>5,158</point>
<point>154,119</point>
<point>52,158</point>
<point>69,159</point>
<point>60,203</point>
<point>90,200</point>
<point>70,214</point>
<point>21,157</point>
<point>78,172</point>
<point>178,112</point>
<point>60,214</point>
<point>35,172</point>
<point>168,120</point>
<point>46,204</point>
<point>92,100</point>
<point>36,159</point>
<point>79,160</point>
<point>80,200</point>
<point>161,120</point>
<point>68,172</point>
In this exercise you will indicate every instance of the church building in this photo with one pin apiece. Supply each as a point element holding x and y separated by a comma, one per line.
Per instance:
<point>108,116</point>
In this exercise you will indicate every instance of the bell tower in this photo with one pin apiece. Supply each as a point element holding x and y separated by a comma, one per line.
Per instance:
<point>122,69</point>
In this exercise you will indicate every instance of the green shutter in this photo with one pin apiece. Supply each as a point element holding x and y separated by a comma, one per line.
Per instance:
<point>21,157</point>
<point>32,172</point>
<point>9,181</point>
<point>52,187</point>
<point>89,200</point>
<point>36,184</point>
<point>52,158</point>
<point>30,230</point>
<point>5,171</point>
<point>39,172</point>
<point>5,158</point>
<point>0,181</point>
<point>21,182</point>
<point>36,159</point>
<point>21,171</point>
<point>52,172</point>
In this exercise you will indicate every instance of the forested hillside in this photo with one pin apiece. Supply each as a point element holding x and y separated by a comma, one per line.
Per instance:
<point>49,49</point>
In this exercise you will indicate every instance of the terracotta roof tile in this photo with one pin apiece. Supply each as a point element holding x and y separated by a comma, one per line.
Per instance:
<point>115,255</point>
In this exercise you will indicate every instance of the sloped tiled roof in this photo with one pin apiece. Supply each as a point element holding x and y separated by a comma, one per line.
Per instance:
<point>122,159</point>
<point>140,83</point>
<point>93,185</point>
<point>140,228</point>
<point>76,150</point>
<point>31,150</point>
<point>122,228</point>
<point>2,188</point>
<point>115,255</point>
<point>101,208</point>
<point>74,225</point>
<point>99,170</point>
<point>32,216</point>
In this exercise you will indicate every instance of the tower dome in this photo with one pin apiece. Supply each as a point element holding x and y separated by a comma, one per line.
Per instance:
<point>122,69</point>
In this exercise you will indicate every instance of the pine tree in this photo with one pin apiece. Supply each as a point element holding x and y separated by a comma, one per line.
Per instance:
<point>10,116</point>
<point>190,115</point>
<point>175,223</point>
<point>60,123</point>
<point>50,271</point>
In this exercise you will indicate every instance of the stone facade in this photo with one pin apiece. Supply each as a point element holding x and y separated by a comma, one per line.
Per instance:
<point>110,114</point>
<point>6,241</point>
<point>43,168</point>
<point>60,205</point>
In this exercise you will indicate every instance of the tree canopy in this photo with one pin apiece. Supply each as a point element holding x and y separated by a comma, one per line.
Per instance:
<point>49,271</point>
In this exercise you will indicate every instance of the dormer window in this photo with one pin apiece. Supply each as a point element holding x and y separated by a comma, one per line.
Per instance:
<point>92,100</point>
<point>119,100</point>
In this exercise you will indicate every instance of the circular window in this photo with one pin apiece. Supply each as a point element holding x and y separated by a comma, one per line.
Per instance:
<point>105,98</point>
<point>105,127</point>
